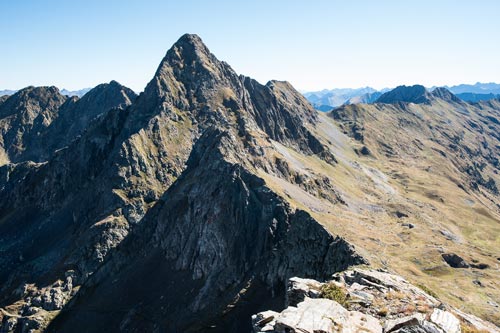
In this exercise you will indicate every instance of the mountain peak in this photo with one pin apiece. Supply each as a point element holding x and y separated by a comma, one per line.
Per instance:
<point>114,83</point>
<point>193,39</point>
<point>111,86</point>
<point>39,98</point>
<point>409,94</point>
<point>188,48</point>
<point>42,90</point>
<point>445,94</point>
<point>189,62</point>
<point>108,95</point>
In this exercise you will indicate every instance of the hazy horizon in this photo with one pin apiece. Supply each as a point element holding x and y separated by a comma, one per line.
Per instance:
<point>300,90</point>
<point>315,45</point>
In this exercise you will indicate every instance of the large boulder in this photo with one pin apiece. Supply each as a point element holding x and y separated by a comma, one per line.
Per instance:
<point>454,260</point>
<point>319,315</point>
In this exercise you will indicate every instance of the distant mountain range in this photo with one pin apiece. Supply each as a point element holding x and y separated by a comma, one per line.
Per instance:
<point>365,98</point>
<point>7,92</point>
<point>473,97</point>
<point>65,92</point>
<point>78,93</point>
<point>325,100</point>
<point>478,88</point>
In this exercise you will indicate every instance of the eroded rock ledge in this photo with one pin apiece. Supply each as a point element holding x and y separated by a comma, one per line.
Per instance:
<point>365,301</point>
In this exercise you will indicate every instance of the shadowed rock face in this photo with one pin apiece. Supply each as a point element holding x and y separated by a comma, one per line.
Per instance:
<point>246,238</point>
<point>169,187</point>
<point>3,98</point>
<point>417,94</point>
<point>24,115</point>
<point>77,114</point>
<point>35,122</point>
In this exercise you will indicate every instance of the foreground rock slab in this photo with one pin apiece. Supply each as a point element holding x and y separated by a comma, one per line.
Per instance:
<point>372,302</point>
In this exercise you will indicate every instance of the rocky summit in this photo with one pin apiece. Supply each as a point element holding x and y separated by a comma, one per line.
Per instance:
<point>414,94</point>
<point>211,197</point>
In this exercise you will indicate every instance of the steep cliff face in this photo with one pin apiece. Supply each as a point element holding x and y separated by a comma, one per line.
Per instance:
<point>227,233</point>
<point>281,113</point>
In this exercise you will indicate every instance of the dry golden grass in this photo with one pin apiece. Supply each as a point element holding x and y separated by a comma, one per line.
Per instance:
<point>404,183</point>
<point>396,295</point>
<point>383,312</point>
<point>407,309</point>
<point>424,308</point>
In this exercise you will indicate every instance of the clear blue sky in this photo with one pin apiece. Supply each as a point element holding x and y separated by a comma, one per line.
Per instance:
<point>313,44</point>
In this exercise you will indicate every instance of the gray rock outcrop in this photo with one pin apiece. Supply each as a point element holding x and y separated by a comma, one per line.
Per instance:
<point>395,306</point>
